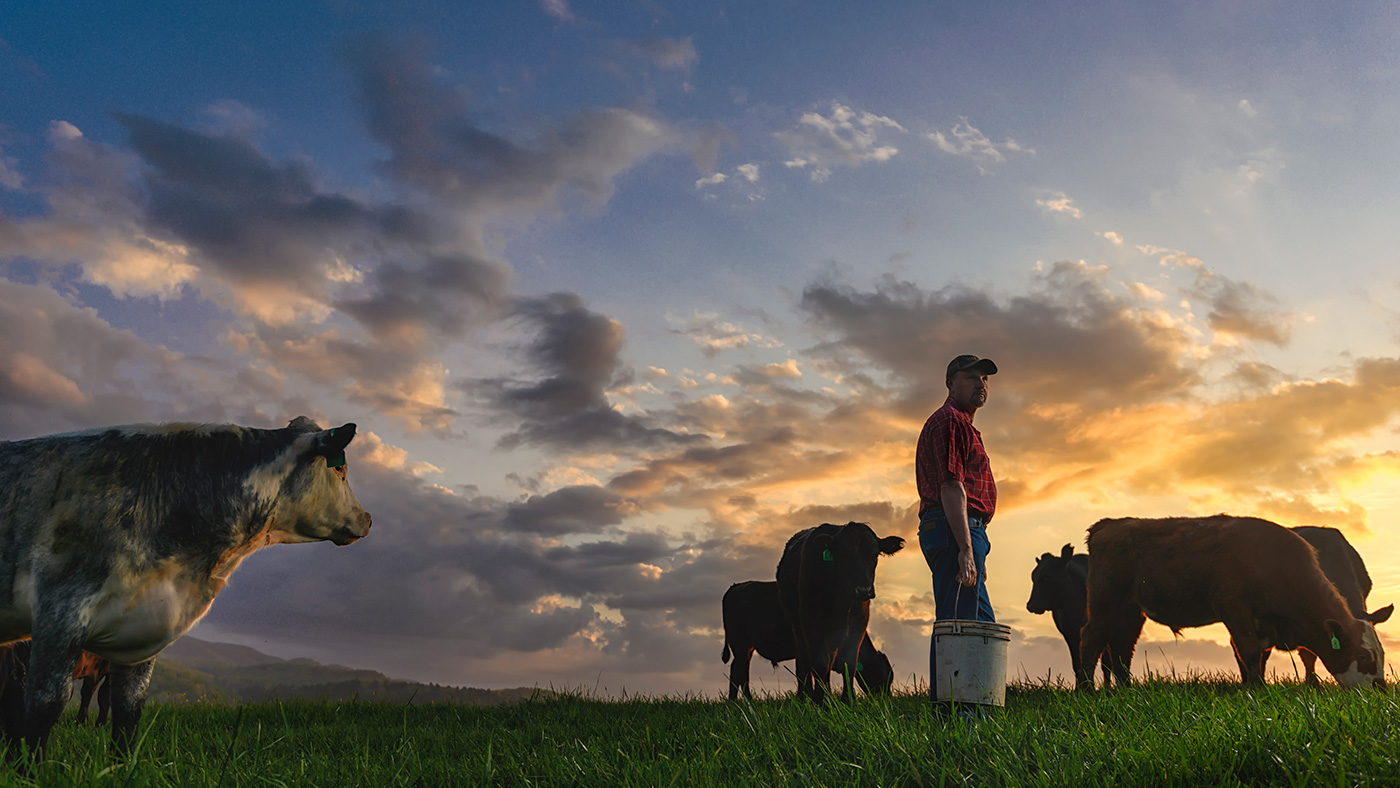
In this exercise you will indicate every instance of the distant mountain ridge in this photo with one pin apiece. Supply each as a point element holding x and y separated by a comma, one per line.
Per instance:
<point>191,670</point>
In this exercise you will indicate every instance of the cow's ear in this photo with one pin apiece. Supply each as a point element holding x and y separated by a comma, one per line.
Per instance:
<point>1040,558</point>
<point>1381,616</point>
<point>1337,632</point>
<point>891,545</point>
<point>331,444</point>
<point>1067,551</point>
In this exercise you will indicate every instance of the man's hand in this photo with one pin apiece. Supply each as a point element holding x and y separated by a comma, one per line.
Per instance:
<point>967,568</point>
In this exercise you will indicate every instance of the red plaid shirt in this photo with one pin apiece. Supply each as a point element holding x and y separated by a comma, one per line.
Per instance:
<point>951,448</point>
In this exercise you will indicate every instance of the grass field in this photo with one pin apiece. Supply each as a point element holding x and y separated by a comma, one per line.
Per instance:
<point>1157,733</point>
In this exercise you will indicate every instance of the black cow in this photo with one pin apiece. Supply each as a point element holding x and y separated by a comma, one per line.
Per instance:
<point>826,579</point>
<point>116,540</point>
<point>1059,584</point>
<point>754,621</point>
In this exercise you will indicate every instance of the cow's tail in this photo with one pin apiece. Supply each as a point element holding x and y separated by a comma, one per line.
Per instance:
<point>724,655</point>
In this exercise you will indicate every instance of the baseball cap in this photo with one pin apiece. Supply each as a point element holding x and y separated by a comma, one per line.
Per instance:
<point>970,363</point>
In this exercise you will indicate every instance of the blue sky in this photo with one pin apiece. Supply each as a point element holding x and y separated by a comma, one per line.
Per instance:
<point>623,294</point>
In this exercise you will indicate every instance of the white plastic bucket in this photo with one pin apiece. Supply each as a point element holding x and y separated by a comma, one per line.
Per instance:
<point>971,661</point>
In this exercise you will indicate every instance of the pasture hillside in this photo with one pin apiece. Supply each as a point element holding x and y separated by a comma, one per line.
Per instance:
<point>1159,733</point>
<point>200,671</point>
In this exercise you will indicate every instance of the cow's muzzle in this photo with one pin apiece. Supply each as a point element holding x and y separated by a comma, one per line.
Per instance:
<point>350,534</point>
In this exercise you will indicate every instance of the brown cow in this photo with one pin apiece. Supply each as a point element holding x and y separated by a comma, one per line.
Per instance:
<point>1261,580</point>
<point>1343,566</point>
<point>826,579</point>
<point>754,621</point>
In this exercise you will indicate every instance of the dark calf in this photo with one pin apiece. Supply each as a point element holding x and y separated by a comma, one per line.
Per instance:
<point>1059,584</point>
<point>826,579</point>
<point>754,621</point>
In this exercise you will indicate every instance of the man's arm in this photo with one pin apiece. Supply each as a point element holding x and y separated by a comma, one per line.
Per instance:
<point>954,498</point>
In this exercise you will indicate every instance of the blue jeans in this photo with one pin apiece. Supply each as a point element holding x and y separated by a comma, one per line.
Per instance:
<point>951,600</point>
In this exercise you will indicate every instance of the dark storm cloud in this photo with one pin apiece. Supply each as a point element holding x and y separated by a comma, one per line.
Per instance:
<point>575,351</point>
<point>437,145</point>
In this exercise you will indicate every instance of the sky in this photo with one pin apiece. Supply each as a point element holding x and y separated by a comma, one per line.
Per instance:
<point>623,294</point>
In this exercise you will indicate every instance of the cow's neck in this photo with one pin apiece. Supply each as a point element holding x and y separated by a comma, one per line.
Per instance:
<point>229,560</point>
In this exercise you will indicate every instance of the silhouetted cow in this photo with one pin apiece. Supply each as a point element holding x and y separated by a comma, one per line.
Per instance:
<point>826,579</point>
<point>116,540</point>
<point>1261,580</point>
<point>1059,584</point>
<point>754,621</point>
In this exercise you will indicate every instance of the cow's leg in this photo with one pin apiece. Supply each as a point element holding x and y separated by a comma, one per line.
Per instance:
<point>848,659</point>
<point>12,703</point>
<point>85,697</point>
<point>1251,661</point>
<point>739,673</point>
<point>1309,667</point>
<point>104,699</point>
<point>53,656</point>
<point>1250,649</point>
<point>128,684</point>
<point>1122,639</point>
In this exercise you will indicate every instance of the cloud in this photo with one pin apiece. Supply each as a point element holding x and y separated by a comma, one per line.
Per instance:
<point>666,53</point>
<point>559,9</point>
<point>969,142</point>
<point>575,353</point>
<point>748,172</point>
<point>711,180</point>
<point>435,145</point>
<point>1061,203</point>
<point>845,138</point>
<point>1111,237</point>
<point>715,335</point>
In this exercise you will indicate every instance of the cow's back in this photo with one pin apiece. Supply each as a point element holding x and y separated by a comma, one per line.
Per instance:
<point>1341,564</point>
<point>1180,570</point>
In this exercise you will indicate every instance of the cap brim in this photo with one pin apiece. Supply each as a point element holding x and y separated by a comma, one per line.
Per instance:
<point>986,366</point>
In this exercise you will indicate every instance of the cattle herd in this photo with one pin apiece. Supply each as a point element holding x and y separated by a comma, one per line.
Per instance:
<point>115,541</point>
<point>1272,587</point>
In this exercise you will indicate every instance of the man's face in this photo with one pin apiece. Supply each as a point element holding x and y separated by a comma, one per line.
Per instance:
<point>968,390</point>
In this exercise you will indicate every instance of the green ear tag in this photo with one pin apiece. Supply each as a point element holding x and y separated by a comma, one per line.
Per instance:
<point>859,667</point>
<point>1336,644</point>
<point>826,555</point>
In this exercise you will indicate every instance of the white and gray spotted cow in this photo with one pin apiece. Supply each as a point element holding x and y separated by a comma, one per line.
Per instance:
<point>116,541</point>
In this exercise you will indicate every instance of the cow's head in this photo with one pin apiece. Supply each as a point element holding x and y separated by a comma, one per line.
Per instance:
<point>1055,580</point>
<point>1354,654</point>
<point>852,553</point>
<point>874,672</point>
<point>315,502</point>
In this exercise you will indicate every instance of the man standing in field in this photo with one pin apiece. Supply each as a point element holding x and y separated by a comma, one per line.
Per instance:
<point>957,498</point>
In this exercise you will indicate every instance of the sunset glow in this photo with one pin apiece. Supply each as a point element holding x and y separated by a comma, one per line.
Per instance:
<point>623,295</point>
